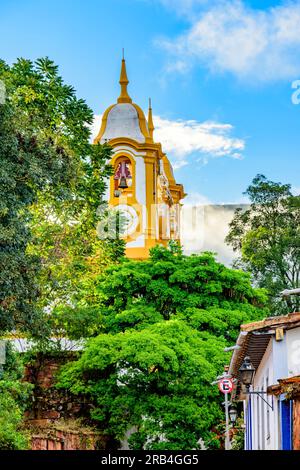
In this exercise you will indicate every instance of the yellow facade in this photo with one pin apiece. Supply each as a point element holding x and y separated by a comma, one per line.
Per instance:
<point>143,186</point>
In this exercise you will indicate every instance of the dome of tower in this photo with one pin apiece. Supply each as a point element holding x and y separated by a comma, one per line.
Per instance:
<point>123,120</point>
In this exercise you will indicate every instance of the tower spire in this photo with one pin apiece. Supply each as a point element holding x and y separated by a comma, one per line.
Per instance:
<point>124,97</point>
<point>150,120</point>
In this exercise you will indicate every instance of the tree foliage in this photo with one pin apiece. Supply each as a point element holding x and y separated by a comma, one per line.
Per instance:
<point>14,398</point>
<point>156,380</point>
<point>268,237</point>
<point>136,293</point>
<point>48,171</point>
<point>155,329</point>
<point>72,254</point>
<point>52,181</point>
<point>165,323</point>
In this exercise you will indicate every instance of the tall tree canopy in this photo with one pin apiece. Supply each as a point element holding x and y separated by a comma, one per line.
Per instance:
<point>163,327</point>
<point>46,162</point>
<point>268,238</point>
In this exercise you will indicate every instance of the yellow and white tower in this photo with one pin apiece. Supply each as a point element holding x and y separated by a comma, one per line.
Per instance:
<point>142,186</point>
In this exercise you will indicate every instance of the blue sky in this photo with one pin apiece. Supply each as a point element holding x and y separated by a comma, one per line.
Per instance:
<point>219,73</point>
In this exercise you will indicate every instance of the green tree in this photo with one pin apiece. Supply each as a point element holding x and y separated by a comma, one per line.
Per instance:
<point>165,324</point>
<point>48,168</point>
<point>137,293</point>
<point>52,180</point>
<point>268,237</point>
<point>156,380</point>
<point>72,254</point>
<point>15,396</point>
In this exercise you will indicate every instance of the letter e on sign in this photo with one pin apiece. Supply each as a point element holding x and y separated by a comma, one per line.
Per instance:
<point>225,386</point>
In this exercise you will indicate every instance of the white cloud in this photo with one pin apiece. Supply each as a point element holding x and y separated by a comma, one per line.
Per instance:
<point>181,138</point>
<point>228,36</point>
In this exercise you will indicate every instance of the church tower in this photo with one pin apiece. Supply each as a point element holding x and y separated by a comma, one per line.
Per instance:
<point>142,187</point>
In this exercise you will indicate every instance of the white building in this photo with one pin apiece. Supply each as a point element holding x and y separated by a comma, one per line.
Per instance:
<point>272,416</point>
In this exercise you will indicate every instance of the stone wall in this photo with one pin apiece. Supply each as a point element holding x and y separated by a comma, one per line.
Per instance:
<point>55,438</point>
<point>49,403</point>
<point>57,419</point>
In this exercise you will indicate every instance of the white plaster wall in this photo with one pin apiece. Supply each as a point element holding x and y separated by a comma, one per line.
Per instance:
<point>140,180</point>
<point>157,222</point>
<point>138,243</point>
<point>264,376</point>
<point>293,351</point>
<point>168,222</point>
<point>164,211</point>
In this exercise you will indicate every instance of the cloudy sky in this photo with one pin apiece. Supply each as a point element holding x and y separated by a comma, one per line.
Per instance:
<point>220,74</point>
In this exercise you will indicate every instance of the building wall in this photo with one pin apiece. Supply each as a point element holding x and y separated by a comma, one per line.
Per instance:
<point>280,362</point>
<point>293,352</point>
<point>265,421</point>
<point>269,427</point>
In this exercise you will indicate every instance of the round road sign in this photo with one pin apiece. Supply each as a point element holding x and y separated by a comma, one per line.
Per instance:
<point>225,386</point>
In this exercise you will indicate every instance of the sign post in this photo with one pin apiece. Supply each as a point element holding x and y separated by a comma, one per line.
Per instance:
<point>226,387</point>
<point>227,437</point>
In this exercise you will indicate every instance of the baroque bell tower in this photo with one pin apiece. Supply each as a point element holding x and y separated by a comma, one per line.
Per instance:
<point>142,187</point>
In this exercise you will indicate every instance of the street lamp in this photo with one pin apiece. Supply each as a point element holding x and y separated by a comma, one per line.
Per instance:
<point>233,415</point>
<point>247,372</point>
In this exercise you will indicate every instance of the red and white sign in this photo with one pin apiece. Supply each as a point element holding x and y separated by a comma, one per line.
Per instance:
<point>225,386</point>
